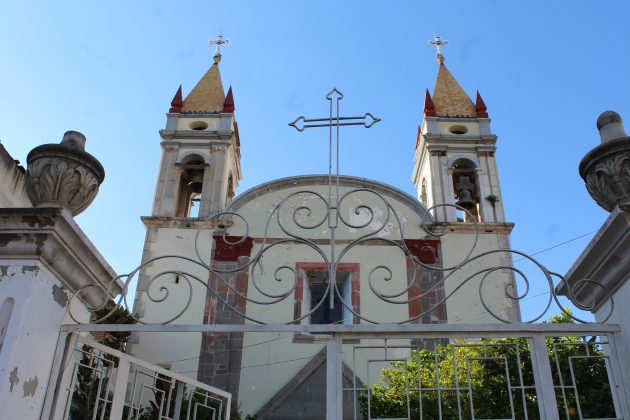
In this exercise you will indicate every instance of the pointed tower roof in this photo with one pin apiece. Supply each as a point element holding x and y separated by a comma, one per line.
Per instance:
<point>449,98</point>
<point>208,94</point>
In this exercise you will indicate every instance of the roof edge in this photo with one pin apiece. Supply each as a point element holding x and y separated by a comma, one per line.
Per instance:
<point>344,180</point>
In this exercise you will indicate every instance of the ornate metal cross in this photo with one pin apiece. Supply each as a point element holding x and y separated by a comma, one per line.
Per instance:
<point>437,41</point>
<point>218,42</point>
<point>300,124</point>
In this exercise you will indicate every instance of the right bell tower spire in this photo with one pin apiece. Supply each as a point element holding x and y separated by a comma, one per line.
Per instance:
<point>455,152</point>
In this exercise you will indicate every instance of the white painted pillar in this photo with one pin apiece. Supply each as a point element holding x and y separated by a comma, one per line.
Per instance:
<point>620,374</point>
<point>120,388</point>
<point>541,367</point>
<point>334,379</point>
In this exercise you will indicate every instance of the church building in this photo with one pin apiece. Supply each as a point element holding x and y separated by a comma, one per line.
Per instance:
<point>315,249</point>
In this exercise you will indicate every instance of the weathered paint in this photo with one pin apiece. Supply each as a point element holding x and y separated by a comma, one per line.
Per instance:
<point>59,295</point>
<point>29,387</point>
<point>13,379</point>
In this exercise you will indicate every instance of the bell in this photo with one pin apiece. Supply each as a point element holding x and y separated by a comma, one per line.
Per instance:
<point>195,183</point>
<point>464,193</point>
<point>465,199</point>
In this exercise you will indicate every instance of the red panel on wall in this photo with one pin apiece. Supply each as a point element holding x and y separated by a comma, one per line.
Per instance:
<point>425,250</point>
<point>224,251</point>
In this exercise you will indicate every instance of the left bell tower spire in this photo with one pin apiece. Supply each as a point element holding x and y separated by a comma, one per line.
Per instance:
<point>200,167</point>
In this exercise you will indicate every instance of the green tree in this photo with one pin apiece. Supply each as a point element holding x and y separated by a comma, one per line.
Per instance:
<point>488,375</point>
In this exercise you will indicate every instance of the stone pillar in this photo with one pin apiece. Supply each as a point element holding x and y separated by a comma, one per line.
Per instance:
<point>44,258</point>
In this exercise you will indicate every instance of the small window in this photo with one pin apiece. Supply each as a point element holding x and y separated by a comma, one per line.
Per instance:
<point>198,125</point>
<point>316,291</point>
<point>458,129</point>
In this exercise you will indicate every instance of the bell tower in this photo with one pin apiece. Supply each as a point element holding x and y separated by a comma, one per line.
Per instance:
<point>200,166</point>
<point>455,153</point>
<point>198,174</point>
<point>455,163</point>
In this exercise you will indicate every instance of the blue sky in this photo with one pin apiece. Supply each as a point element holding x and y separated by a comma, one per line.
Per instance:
<point>545,70</point>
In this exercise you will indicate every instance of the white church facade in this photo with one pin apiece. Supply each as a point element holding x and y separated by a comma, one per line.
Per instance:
<point>289,299</point>
<point>397,257</point>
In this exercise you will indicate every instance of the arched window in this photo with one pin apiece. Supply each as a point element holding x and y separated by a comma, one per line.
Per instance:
<point>190,187</point>
<point>466,189</point>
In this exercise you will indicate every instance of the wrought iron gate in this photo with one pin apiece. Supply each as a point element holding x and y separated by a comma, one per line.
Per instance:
<point>548,389</point>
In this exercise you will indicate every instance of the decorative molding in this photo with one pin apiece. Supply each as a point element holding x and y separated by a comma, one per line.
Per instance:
<point>606,172</point>
<point>63,174</point>
<point>604,265</point>
<point>184,222</point>
<point>50,236</point>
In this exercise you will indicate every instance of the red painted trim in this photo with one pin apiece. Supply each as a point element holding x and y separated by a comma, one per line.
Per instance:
<point>177,102</point>
<point>415,307</point>
<point>429,107</point>
<point>223,251</point>
<point>480,107</point>
<point>228,104</point>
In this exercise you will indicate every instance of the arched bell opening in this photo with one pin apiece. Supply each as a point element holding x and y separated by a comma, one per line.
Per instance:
<point>466,189</point>
<point>424,197</point>
<point>190,187</point>
<point>230,190</point>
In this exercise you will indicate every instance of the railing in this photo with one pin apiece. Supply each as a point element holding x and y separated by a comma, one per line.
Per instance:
<point>463,371</point>
<point>545,371</point>
<point>98,382</point>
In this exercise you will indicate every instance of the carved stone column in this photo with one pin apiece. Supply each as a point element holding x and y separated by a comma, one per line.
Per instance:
<point>606,168</point>
<point>63,175</point>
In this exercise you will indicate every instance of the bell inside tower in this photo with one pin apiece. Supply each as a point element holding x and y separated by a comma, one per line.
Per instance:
<point>466,189</point>
<point>190,188</point>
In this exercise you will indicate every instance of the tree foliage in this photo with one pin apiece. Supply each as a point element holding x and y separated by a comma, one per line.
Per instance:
<point>483,377</point>
<point>91,384</point>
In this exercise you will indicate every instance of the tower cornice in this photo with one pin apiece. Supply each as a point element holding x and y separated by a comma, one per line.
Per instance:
<point>188,135</point>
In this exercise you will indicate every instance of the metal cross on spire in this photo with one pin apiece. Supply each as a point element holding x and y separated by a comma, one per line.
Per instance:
<point>217,43</point>
<point>437,41</point>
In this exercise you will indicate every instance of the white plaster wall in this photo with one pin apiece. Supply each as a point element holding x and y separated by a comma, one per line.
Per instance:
<point>31,336</point>
<point>465,306</point>
<point>368,257</point>
<point>258,210</point>
<point>620,315</point>
<point>161,348</point>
